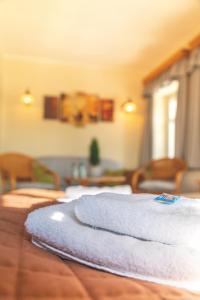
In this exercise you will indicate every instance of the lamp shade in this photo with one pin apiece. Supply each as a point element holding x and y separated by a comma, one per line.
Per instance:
<point>27,98</point>
<point>129,106</point>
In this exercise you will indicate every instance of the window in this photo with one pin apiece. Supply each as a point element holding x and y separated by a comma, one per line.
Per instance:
<point>164,120</point>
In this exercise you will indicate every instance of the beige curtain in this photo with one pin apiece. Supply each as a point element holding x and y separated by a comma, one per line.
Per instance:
<point>146,147</point>
<point>181,116</point>
<point>192,141</point>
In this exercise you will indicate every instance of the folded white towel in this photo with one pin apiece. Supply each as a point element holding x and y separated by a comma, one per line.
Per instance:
<point>140,216</point>
<point>57,227</point>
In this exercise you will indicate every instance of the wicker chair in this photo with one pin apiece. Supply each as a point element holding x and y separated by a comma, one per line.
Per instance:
<point>162,175</point>
<point>19,168</point>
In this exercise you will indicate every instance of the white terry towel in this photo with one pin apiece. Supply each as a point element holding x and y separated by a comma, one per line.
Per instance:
<point>57,227</point>
<point>138,215</point>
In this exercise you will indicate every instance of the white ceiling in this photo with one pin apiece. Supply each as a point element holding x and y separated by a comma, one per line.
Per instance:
<point>103,32</point>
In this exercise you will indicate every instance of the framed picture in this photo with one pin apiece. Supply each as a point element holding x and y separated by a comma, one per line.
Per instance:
<point>80,115</point>
<point>65,108</point>
<point>107,109</point>
<point>51,107</point>
<point>93,108</point>
<point>79,108</point>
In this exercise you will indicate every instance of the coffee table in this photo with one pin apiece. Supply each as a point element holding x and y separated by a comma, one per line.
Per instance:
<point>97,181</point>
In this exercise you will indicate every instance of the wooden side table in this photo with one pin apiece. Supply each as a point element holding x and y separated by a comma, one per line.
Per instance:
<point>97,181</point>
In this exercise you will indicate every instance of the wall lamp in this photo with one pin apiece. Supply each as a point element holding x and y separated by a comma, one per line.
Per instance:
<point>129,106</point>
<point>27,97</point>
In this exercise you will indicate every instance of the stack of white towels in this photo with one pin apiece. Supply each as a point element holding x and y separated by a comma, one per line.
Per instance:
<point>129,235</point>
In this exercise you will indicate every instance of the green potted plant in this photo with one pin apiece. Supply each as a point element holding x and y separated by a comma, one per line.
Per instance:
<point>94,159</point>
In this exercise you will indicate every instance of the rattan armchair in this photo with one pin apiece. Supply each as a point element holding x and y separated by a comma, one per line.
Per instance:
<point>16,167</point>
<point>162,175</point>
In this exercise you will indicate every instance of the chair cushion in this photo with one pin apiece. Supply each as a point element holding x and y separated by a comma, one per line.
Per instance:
<point>41,175</point>
<point>157,185</point>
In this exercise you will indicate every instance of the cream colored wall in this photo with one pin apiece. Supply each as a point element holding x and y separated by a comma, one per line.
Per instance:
<point>1,110</point>
<point>1,104</point>
<point>23,128</point>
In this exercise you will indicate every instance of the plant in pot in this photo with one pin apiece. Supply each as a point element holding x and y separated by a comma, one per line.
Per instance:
<point>94,159</point>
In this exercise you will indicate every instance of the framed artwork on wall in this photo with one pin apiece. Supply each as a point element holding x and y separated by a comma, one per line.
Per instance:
<point>107,110</point>
<point>79,108</point>
<point>51,107</point>
<point>65,108</point>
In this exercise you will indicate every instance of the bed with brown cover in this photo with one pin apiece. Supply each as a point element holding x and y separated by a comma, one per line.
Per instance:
<point>30,273</point>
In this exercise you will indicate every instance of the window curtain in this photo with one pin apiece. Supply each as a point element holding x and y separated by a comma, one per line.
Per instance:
<point>178,71</point>
<point>146,148</point>
<point>181,116</point>
<point>192,145</point>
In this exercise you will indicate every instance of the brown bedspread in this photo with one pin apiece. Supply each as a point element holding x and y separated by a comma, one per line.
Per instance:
<point>27,272</point>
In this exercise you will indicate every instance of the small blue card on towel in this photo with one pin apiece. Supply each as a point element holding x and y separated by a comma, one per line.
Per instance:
<point>167,199</point>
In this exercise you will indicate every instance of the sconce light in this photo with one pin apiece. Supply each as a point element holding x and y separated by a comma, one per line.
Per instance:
<point>129,106</point>
<point>27,98</point>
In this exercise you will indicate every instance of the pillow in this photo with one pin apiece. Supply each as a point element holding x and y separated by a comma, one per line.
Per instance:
<point>41,175</point>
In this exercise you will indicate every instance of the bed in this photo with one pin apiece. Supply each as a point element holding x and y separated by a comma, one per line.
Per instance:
<point>29,273</point>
